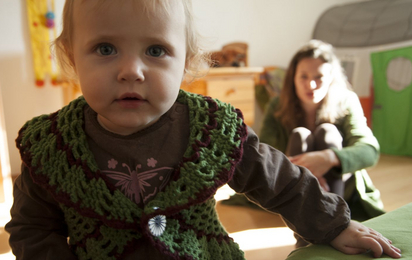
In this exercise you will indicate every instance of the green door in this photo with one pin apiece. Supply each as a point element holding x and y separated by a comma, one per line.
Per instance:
<point>392,111</point>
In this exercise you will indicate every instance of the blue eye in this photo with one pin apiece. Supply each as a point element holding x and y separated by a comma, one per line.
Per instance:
<point>106,49</point>
<point>156,51</point>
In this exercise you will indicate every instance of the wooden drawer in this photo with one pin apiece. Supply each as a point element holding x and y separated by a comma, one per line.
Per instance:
<point>239,92</point>
<point>231,90</point>
<point>248,110</point>
<point>231,85</point>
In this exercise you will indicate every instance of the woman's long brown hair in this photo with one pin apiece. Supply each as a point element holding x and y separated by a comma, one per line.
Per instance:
<point>290,112</point>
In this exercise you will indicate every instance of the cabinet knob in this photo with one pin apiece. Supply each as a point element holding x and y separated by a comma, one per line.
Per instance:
<point>230,91</point>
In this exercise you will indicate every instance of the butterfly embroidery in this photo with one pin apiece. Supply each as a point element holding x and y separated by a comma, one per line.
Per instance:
<point>134,183</point>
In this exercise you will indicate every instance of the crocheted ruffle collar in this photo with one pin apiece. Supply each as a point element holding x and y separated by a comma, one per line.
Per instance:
<point>54,148</point>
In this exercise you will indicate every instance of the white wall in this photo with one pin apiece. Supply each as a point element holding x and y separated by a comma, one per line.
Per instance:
<point>274,29</point>
<point>21,98</point>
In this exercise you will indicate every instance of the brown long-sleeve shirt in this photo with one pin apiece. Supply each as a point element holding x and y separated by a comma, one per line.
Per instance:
<point>141,164</point>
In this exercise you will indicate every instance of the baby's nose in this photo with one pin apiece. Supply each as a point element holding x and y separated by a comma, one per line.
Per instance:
<point>131,70</point>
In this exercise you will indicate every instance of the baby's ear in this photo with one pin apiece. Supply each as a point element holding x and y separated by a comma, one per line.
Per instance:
<point>70,56</point>
<point>187,63</point>
<point>187,66</point>
<point>67,49</point>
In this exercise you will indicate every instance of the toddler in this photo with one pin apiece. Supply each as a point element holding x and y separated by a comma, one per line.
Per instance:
<point>129,170</point>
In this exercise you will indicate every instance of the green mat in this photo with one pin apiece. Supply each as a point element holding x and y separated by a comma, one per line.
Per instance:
<point>395,225</point>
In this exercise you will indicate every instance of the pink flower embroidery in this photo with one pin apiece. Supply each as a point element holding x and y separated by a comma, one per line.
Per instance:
<point>112,163</point>
<point>151,162</point>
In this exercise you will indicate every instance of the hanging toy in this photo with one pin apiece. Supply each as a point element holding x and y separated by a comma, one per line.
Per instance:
<point>50,20</point>
<point>42,33</point>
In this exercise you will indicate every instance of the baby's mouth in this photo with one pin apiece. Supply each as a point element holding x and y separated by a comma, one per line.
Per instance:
<point>130,97</point>
<point>130,100</point>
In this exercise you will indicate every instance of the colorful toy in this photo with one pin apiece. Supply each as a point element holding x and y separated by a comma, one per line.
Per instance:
<point>42,33</point>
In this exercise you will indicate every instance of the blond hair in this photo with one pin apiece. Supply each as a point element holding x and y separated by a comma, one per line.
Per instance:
<point>290,113</point>
<point>197,58</point>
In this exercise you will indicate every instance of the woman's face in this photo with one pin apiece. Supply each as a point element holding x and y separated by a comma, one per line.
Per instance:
<point>312,80</point>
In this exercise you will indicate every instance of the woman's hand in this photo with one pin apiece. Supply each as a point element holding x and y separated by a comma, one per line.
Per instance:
<point>358,239</point>
<point>318,162</point>
<point>323,183</point>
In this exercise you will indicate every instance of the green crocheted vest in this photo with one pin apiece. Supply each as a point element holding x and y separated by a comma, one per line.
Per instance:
<point>102,222</point>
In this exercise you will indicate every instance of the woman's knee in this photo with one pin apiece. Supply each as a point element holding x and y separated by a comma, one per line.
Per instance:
<point>327,136</point>
<point>326,127</point>
<point>300,133</point>
<point>300,141</point>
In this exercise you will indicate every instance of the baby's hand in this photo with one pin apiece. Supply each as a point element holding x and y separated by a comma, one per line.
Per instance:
<point>358,239</point>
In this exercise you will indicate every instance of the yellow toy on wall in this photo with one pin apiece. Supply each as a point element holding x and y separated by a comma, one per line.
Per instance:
<point>42,33</point>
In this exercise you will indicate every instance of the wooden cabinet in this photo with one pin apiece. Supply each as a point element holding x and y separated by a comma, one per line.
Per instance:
<point>231,85</point>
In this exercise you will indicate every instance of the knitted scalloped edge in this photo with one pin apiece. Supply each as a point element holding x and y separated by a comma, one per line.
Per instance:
<point>46,128</point>
<point>43,127</point>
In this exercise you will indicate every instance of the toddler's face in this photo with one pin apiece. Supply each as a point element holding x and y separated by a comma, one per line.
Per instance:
<point>130,63</point>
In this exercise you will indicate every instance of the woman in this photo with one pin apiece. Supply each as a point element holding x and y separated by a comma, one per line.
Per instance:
<point>319,123</point>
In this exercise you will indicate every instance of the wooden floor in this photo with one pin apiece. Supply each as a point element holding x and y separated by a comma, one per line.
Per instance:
<point>263,235</point>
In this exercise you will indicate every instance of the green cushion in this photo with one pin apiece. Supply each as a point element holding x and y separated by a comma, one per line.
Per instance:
<point>395,225</point>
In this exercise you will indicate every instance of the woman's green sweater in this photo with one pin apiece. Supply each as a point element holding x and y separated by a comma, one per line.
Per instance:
<point>360,151</point>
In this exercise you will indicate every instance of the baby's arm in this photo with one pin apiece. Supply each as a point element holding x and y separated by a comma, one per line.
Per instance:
<point>269,179</point>
<point>357,239</point>
<point>37,228</point>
